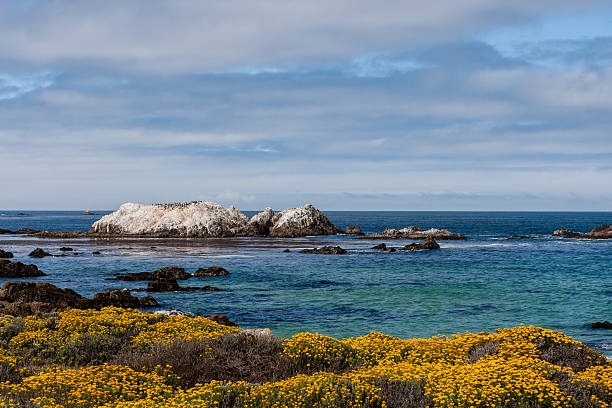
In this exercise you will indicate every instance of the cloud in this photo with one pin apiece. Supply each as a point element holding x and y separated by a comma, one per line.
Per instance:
<point>15,85</point>
<point>197,36</point>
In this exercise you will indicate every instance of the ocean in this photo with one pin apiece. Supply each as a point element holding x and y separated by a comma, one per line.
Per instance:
<point>489,281</point>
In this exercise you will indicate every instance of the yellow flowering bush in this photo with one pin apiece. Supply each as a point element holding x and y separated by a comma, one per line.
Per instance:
<point>471,370</point>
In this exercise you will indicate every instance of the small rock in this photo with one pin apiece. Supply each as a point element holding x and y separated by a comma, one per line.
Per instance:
<point>380,247</point>
<point>26,231</point>
<point>39,253</point>
<point>222,319</point>
<point>326,250</point>
<point>353,230</point>
<point>65,249</point>
<point>212,271</point>
<point>426,244</point>
<point>5,254</point>
<point>392,250</point>
<point>148,301</point>
<point>96,253</point>
<point>163,285</point>
<point>4,231</point>
<point>174,312</point>
<point>566,233</point>
<point>287,250</point>
<point>601,325</point>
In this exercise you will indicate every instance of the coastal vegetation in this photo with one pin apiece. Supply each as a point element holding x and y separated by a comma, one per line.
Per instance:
<point>116,357</point>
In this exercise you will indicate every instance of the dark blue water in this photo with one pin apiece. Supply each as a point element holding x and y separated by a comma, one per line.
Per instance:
<point>485,282</point>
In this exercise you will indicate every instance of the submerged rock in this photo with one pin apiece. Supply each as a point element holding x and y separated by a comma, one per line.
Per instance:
<point>168,272</point>
<point>426,244</point>
<point>39,253</point>
<point>5,254</point>
<point>413,232</point>
<point>353,230</point>
<point>10,269</point>
<point>212,271</point>
<point>171,285</point>
<point>601,325</point>
<point>326,250</point>
<point>65,249</point>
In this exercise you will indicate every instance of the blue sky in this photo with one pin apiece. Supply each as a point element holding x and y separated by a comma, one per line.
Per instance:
<point>449,105</point>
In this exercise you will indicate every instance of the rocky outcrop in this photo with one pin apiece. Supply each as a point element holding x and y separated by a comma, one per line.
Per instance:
<point>10,269</point>
<point>353,230</point>
<point>326,250</point>
<point>302,221</point>
<point>601,325</point>
<point>427,244</point>
<point>39,253</point>
<point>197,219</point>
<point>26,231</point>
<point>212,271</point>
<point>121,298</point>
<point>28,298</point>
<point>207,220</point>
<point>413,232</point>
<point>168,272</point>
<point>380,247</point>
<point>601,232</point>
<point>5,254</point>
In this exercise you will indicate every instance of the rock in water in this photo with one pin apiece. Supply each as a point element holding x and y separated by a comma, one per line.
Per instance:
<point>29,297</point>
<point>601,325</point>
<point>413,232</point>
<point>212,271</point>
<point>65,249</point>
<point>566,233</point>
<point>353,230</point>
<point>326,250</point>
<point>262,222</point>
<point>206,219</point>
<point>302,221</point>
<point>601,232</point>
<point>163,285</point>
<point>169,272</point>
<point>380,247</point>
<point>197,219</point>
<point>426,244</point>
<point>10,269</point>
<point>5,254</point>
<point>39,253</point>
<point>121,298</point>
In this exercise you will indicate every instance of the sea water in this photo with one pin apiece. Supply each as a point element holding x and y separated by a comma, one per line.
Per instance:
<point>493,279</point>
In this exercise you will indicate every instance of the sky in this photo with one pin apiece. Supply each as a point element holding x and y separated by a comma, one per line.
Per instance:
<point>348,105</point>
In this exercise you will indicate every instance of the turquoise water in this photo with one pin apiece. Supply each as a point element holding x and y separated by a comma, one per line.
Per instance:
<point>485,282</point>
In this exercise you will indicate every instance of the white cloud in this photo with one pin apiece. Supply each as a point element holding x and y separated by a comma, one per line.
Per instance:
<point>15,85</point>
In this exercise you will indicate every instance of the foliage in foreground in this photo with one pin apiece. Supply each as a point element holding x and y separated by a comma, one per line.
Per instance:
<point>125,358</point>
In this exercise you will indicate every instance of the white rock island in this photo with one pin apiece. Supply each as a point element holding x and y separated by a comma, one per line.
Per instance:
<point>203,219</point>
